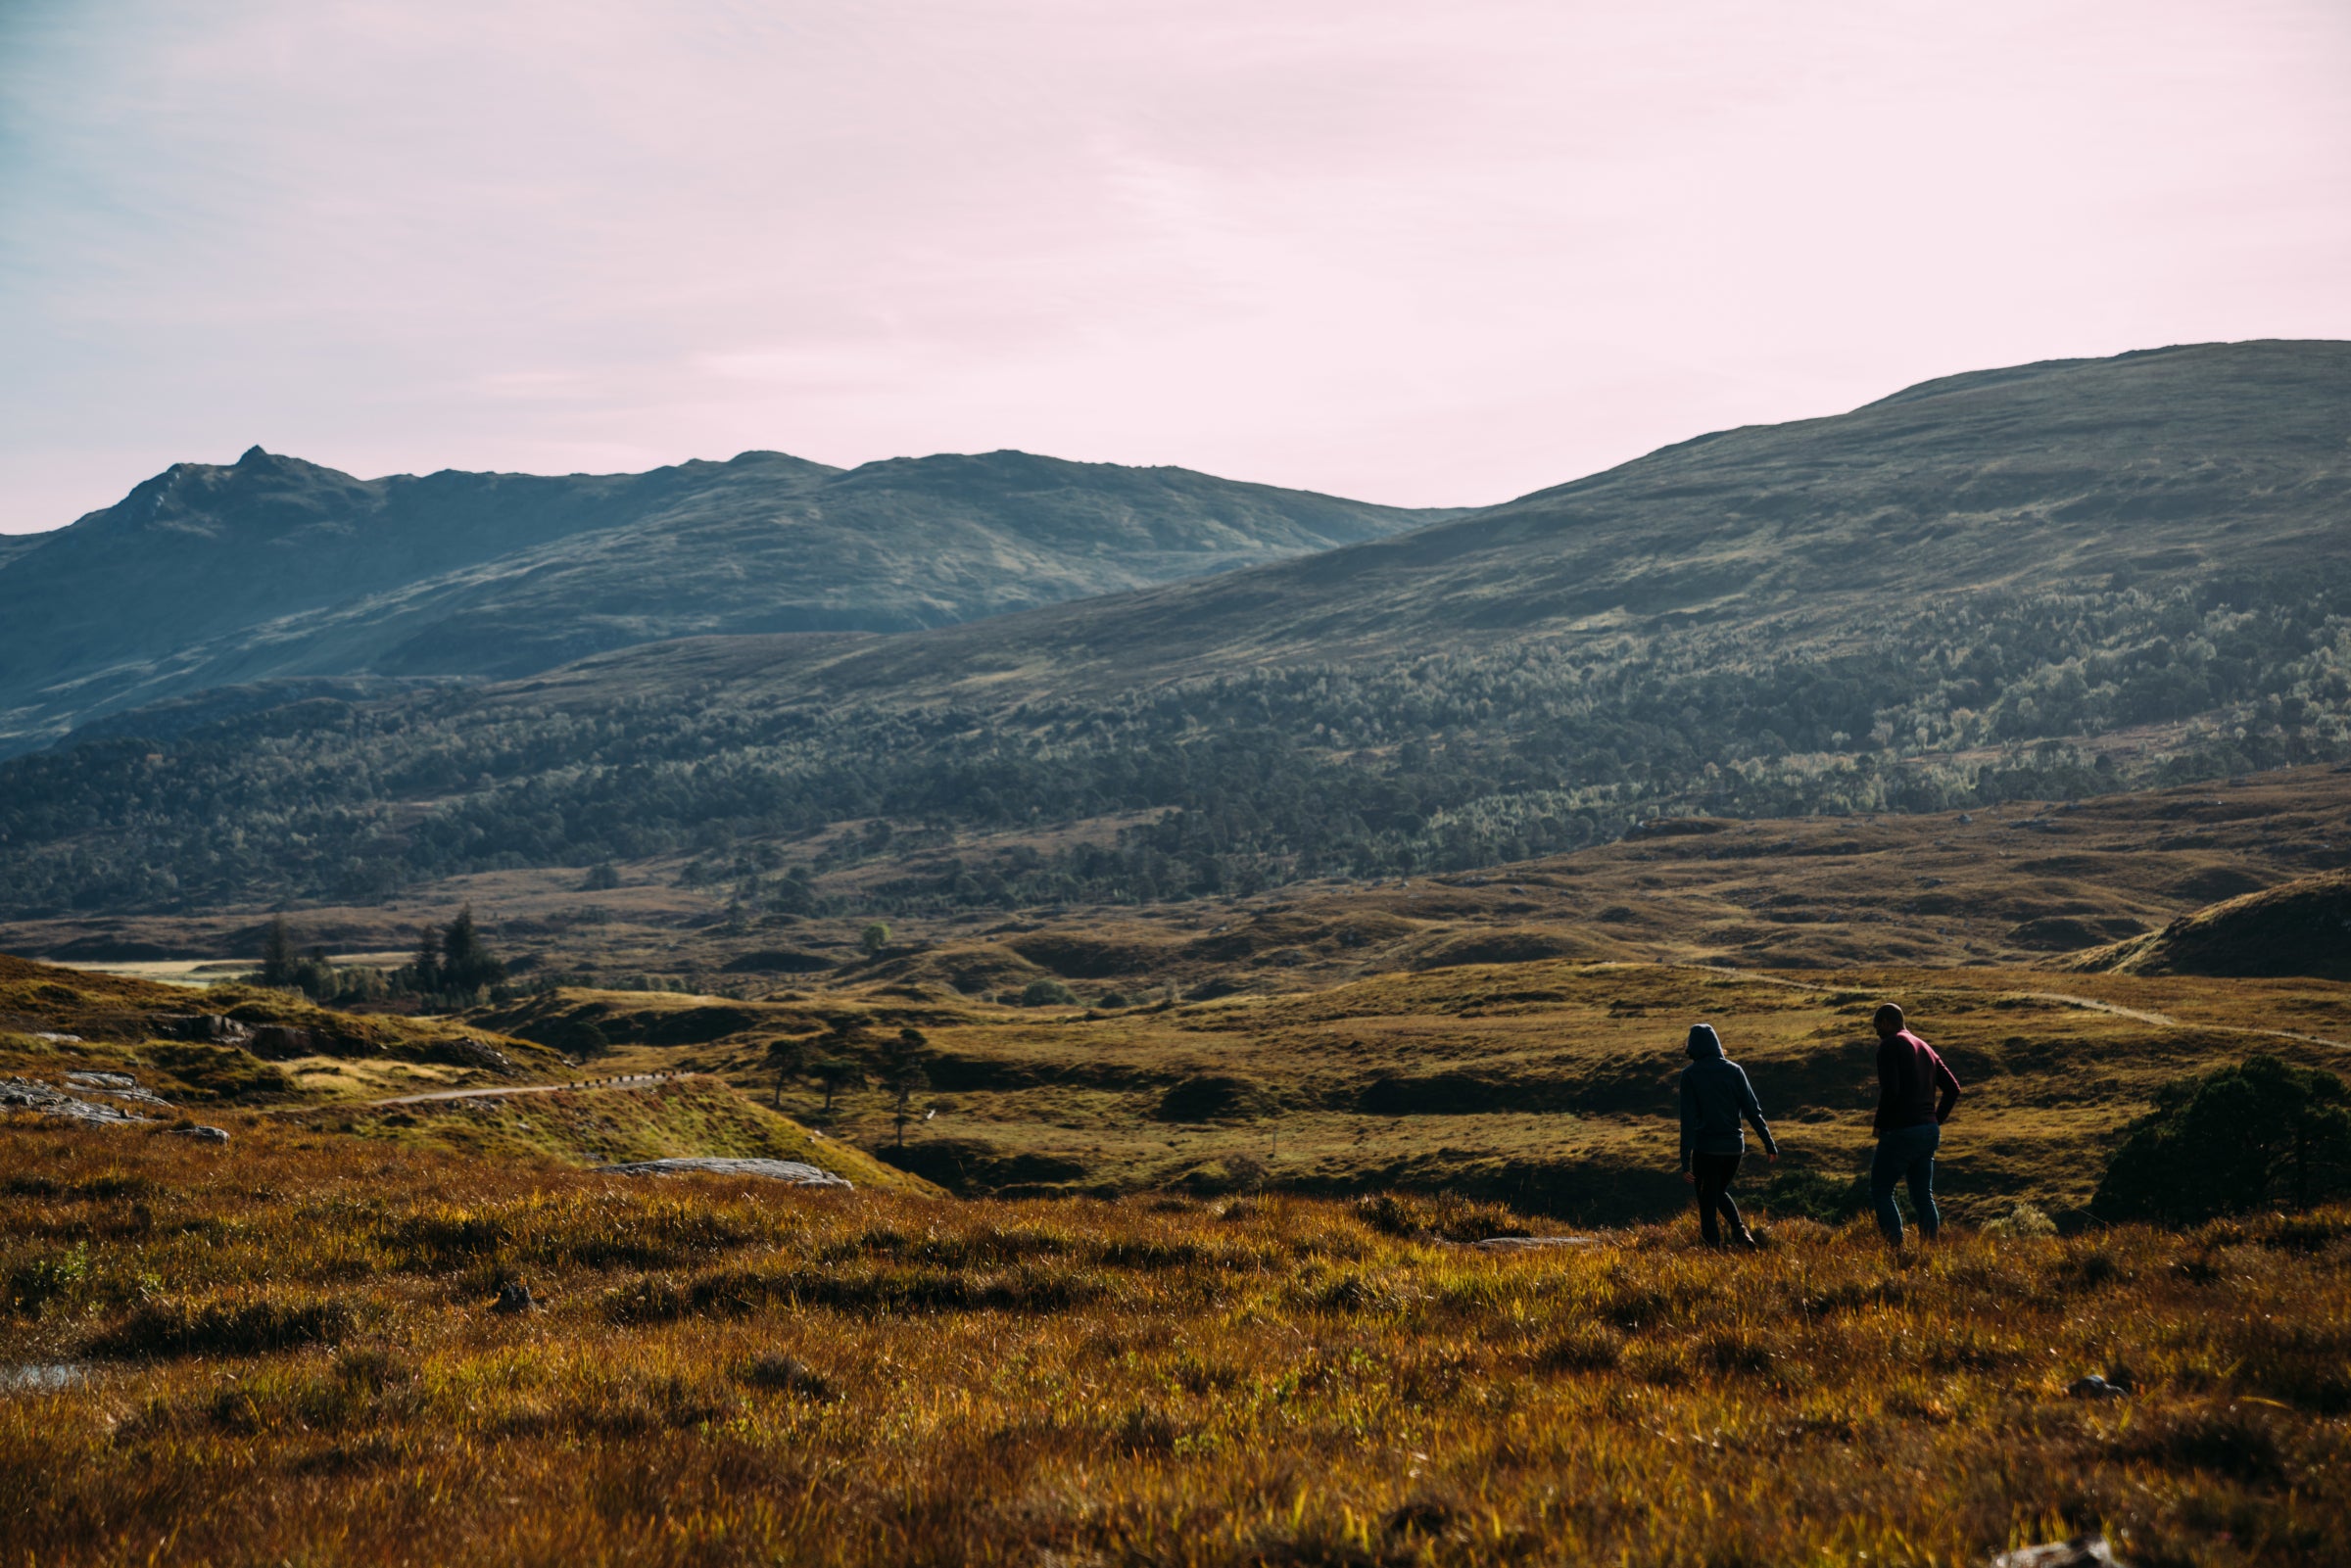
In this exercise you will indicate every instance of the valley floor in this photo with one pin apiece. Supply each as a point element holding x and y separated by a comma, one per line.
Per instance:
<point>1549,1085</point>
<point>2014,885</point>
<point>286,1349</point>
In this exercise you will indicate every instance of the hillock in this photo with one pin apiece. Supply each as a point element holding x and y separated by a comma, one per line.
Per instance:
<point>2301,927</point>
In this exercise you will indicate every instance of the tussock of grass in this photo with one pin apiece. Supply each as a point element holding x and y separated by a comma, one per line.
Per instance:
<point>1443,1216</point>
<point>235,1327</point>
<point>297,1362</point>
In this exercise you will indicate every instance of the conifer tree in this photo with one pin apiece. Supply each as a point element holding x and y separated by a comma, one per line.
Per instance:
<point>277,954</point>
<point>466,963</point>
<point>428,961</point>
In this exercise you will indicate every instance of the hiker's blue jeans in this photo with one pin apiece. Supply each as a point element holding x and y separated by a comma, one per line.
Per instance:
<point>1906,1153</point>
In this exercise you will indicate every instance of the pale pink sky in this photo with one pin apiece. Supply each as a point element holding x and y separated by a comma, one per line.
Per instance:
<point>1417,253</point>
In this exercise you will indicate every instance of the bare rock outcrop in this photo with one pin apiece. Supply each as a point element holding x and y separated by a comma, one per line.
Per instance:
<point>797,1173</point>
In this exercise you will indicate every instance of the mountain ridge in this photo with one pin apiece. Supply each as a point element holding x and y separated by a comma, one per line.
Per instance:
<point>1625,580</point>
<point>273,567</point>
<point>2099,575</point>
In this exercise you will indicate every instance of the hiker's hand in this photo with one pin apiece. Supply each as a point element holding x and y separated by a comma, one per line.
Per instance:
<point>1773,1156</point>
<point>1690,1177</point>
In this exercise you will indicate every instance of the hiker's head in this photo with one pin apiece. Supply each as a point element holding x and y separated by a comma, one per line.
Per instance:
<point>1887,1021</point>
<point>1703,1043</point>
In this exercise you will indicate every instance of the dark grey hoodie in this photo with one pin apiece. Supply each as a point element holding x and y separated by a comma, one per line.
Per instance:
<point>1715,1093</point>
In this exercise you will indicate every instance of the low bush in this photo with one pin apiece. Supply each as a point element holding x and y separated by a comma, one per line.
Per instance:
<point>254,1326</point>
<point>2264,1134</point>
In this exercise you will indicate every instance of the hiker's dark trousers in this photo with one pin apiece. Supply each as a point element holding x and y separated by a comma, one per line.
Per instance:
<point>1906,1153</point>
<point>1712,1176</point>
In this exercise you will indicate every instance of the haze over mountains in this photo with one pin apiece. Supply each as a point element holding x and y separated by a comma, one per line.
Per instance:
<point>2056,578</point>
<point>275,568</point>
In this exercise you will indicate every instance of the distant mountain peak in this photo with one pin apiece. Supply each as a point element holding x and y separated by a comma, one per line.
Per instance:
<point>271,567</point>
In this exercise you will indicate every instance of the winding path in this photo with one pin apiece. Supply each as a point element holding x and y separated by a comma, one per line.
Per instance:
<point>632,1080</point>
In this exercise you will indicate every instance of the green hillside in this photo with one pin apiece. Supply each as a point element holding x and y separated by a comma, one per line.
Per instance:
<point>274,570</point>
<point>2052,580</point>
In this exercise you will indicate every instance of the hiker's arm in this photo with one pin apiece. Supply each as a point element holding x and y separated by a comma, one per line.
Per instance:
<point>1888,1073</point>
<point>1754,1113</point>
<point>1948,1082</point>
<point>1688,1119</point>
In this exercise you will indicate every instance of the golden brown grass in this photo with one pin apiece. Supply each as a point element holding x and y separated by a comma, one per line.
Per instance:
<point>289,1356</point>
<point>1549,1085</point>
<point>689,1115</point>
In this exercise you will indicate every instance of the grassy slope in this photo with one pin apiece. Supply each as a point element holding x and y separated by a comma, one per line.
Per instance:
<point>2301,927</point>
<point>611,1125</point>
<point>119,1026</point>
<point>113,1025</point>
<point>290,1358</point>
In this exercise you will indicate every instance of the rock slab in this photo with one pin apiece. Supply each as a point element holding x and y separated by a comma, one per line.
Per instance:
<point>1531,1244</point>
<point>2082,1552</point>
<point>795,1171</point>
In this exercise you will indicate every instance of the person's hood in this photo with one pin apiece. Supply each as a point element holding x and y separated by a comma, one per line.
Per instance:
<point>1705,1045</point>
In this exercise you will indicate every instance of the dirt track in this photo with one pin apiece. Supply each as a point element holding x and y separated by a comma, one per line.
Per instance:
<point>627,1081</point>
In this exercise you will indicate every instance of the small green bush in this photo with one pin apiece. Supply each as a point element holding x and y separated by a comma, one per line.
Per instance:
<point>1048,993</point>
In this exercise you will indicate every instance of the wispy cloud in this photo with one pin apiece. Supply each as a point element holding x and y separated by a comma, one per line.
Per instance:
<point>1418,252</point>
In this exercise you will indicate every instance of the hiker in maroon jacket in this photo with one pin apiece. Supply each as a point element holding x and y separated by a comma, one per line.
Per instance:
<point>1915,1096</point>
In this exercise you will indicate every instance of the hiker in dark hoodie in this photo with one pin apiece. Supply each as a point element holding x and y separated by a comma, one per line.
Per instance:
<point>1915,1096</point>
<point>1715,1093</point>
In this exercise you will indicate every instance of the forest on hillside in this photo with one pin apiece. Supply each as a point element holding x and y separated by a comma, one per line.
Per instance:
<point>1247,778</point>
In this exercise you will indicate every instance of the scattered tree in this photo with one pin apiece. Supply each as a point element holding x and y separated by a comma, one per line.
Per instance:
<point>837,1074</point>
<point>903,1075</point>
<point>277,954</point>
<point>452,962</point>
<point>466,963</point>
<point>788,1056</point>
<point>424,970</point>
<point>874,938</point>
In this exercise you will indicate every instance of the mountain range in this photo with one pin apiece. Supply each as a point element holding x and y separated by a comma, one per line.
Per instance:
<point>276,570</point>
<point>2053,578</point>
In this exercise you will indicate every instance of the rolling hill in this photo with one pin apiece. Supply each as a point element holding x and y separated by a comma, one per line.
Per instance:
<point>2047,580</point>
<point>2217,466</point>
<point>2302,928</point>
<point>274,570</point>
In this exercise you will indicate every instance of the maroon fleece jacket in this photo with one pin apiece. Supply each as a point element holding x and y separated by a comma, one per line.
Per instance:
<point>1914,1087</point>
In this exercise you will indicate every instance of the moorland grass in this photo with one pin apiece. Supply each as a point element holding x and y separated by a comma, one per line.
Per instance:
<point>288,1354</point>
